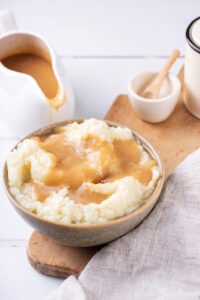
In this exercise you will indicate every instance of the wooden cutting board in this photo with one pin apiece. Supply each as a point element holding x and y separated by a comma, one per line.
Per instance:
<point>174,140</point>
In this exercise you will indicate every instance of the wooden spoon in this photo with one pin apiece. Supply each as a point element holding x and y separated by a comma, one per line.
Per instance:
<point>153,89</point>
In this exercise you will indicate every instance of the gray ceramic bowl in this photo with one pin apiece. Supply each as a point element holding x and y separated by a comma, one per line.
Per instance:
<point>94,234</point>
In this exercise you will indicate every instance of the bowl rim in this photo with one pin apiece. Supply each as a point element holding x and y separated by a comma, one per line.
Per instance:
<point>172,77</point>
<point>139,138</point>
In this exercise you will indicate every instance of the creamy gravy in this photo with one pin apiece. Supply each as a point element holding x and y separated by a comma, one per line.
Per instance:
<point>37,67</point>
<point>71,166</point>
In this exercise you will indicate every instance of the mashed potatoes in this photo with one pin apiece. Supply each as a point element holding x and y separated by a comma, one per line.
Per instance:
<point>30,164</point>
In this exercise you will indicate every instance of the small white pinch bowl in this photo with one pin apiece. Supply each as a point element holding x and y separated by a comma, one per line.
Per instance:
<point>153,110</point>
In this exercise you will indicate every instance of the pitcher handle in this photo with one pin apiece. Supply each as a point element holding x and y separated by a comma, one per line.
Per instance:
<point>7,22</point>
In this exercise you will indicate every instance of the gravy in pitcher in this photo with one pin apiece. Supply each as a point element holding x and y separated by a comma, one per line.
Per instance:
<point>41,70</point>
<point>37,67</point>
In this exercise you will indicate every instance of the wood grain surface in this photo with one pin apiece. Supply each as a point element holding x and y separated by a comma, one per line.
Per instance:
<point>52,258</point>
<point>174,139</point>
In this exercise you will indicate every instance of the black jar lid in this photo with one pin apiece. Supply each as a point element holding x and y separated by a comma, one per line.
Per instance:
<point>189,38</point>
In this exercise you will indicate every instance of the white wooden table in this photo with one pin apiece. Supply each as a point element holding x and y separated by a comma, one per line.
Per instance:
<point>102,43</point>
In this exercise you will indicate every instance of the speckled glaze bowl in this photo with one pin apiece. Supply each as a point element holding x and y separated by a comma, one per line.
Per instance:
<point>94,234</point>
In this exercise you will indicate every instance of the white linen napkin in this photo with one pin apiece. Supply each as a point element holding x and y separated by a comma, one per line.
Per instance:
<point>160,259</point>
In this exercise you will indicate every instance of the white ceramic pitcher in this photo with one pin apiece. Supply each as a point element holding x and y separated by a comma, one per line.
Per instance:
<point>23,104</point>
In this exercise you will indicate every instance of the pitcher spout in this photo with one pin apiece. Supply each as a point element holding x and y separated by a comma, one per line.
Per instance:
<point>57,101</point>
